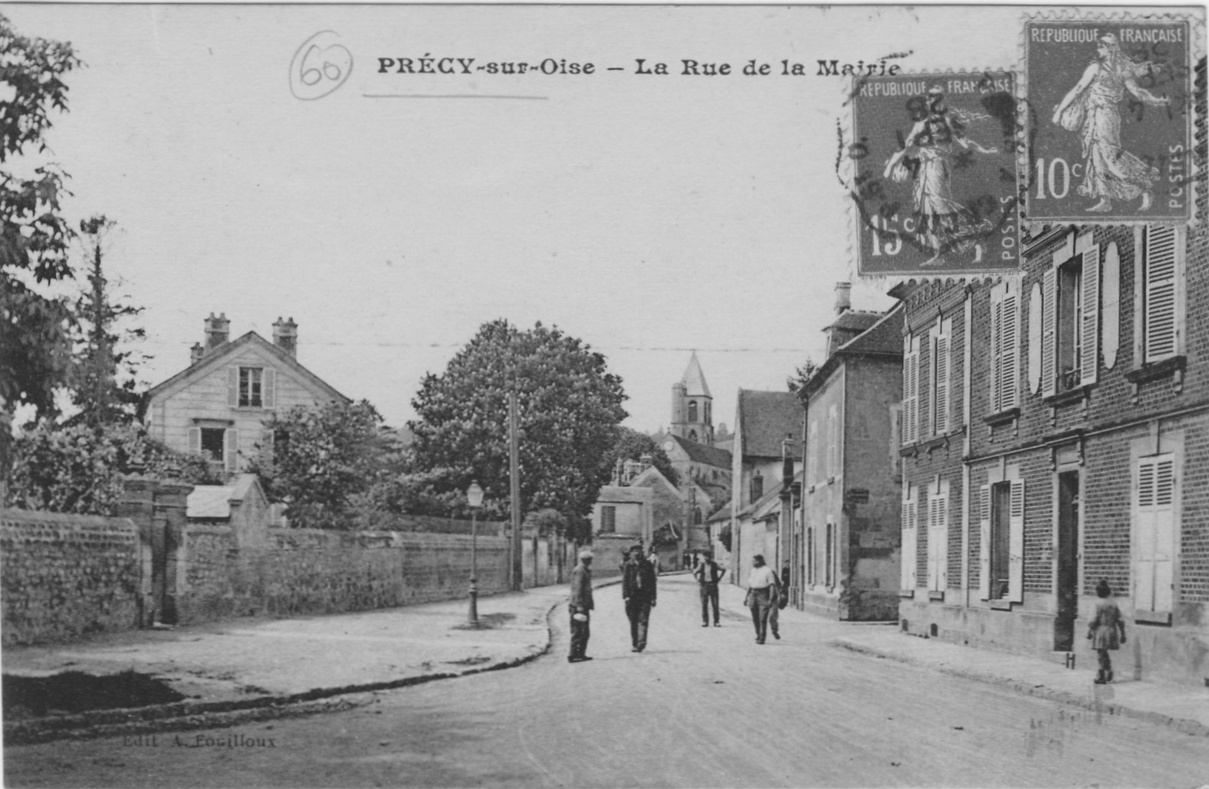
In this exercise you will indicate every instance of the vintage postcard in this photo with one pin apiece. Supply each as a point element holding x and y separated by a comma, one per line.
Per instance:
<point>590,395</point>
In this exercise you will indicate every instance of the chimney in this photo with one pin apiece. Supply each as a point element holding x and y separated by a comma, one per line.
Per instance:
<point>843,297</point>
<point>285,335</point>
<point>196,353</point>
<point>218,330</point>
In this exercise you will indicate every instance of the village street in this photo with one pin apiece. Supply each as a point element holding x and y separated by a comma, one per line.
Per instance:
<point>701,707</point>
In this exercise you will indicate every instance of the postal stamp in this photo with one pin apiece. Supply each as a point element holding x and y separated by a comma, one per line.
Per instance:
<point>1109,120</point>
<point>934,177</point>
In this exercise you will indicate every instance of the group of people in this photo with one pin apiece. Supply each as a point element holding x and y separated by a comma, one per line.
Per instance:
<point>766,595</point>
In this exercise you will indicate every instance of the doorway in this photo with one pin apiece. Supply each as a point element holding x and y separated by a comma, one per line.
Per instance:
<point>1068,561</point>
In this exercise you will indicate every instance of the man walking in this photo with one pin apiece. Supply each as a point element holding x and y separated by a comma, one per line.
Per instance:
<point>638,592</point>
<point>708,574</point>
<point>761,595</point>
<point>581,606</point>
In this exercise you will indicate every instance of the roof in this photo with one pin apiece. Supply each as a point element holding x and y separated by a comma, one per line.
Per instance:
<point>883,338</point>
<point>855,320</point>
<point>765,419</point>
<point>722,514</point>
<point>694,380</point>
<point>215,357</point>
<point>702,453</point>
<point>654,476</point>
<point>209,501</point>
<point>624,494</point>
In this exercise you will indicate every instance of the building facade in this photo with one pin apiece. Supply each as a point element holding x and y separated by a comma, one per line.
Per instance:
<point>217,405</point>
<point>1055,434</point>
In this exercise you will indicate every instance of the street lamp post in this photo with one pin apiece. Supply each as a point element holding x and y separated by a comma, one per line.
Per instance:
<point>474,497</point>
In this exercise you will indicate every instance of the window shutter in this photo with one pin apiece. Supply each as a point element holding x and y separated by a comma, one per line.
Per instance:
<point>1016,542</point>
<point>1089,364</point>
<point>1009,368</point>
<point>910,545</point>
<point>1049,332</point>
<point>996,350</point>
<point>1143,595</point>
<point>231,450</point>
<point>269,388</point>
<point>833,424</point>
<point>1155,536</point>
<point>942,543</point>
<point>932,564</point>
<point>910,392</point>
<point>233,386</point>
<point>814,443</point>
<point>940,362</point>
<point>984,543</point>
<point>195,439</point>
<point>1160,274</point>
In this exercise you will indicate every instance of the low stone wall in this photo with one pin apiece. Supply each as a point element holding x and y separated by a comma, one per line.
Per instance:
<point>310,571</point>
<point>64,576</point>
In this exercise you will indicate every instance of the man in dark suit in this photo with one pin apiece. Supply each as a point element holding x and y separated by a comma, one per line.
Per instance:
<point>581,606</point>
<point>638,592</point>
<point>708,574</point>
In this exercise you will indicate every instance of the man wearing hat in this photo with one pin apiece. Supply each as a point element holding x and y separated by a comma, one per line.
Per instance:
<point>638,592</point>
<point>580,606</point>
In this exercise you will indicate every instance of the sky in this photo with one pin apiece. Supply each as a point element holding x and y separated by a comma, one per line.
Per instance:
<point>648,215</point>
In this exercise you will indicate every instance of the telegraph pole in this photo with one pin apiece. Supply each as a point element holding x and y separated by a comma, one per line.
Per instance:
<point>514,474</point>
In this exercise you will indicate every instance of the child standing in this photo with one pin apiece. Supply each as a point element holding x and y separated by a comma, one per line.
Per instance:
<point>1105,624</point>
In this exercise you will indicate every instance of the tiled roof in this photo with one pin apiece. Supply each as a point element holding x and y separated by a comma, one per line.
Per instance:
<point>766,418</point>
<point>884,336</point>
<point>856,320</point>
<point>694,380</point>
<point>700,453</point>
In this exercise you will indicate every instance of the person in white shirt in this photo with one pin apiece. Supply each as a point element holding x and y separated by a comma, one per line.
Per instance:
<point>762,594</point>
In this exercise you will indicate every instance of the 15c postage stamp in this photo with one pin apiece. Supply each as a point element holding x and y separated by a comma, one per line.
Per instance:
<point>934,182</point>
<point>1109,120</point>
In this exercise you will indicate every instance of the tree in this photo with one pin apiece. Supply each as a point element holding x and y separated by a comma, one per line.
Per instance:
<point>632,445</point>
<point>35,237</point>
<point>797,381</point>
<point>569,411</point>
<point>104,376</point>
<point>323,459</point>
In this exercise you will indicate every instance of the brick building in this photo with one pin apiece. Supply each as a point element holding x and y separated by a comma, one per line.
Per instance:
<point>1055,432</point>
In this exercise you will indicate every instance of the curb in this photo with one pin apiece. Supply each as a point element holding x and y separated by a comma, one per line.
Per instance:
<point>1183,725</point>
<point>182,716</point>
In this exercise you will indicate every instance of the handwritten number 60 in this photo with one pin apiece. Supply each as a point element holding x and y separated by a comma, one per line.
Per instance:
<point>317,70</point>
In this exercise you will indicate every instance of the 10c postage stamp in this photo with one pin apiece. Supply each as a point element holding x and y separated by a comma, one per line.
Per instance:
<point>1109,123</point>
<point>934,184</point>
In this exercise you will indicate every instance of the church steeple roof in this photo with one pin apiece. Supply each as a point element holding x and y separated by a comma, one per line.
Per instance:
<point>694,379</point>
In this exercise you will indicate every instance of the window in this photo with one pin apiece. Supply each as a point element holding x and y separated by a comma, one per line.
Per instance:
<point>910,390</point>
<point>692,410</point>
<point>213,440</point>
<point>1162,302</point>
<point>907,563</point>
<point>692,435</point>
<point>896,439</point>
<point>1001,559</point>
<point>810,554</point>
<point>608,519</point>
<point>815,462</point>
<point>829,557</point>
<point>938,537</point>
<point>833,442</point>
<point>250,387</point>
<point>1005,346</point>
<point>1154,534</point>
<point>698,517</point>
<point>707,412</point>
<point>757,486</point>
<point>939,404</point>
<point>1070,348</point>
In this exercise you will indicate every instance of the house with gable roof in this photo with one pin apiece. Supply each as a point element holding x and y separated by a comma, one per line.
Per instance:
<point>217,405</point>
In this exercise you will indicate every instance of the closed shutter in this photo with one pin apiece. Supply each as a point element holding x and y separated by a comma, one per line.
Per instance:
<point>1049,332</point>
<point>933,567</point>
<point>195,439</point>
<point>910,545</point>
<point>938,544</point>
<point>1089,363</point>
<point>814,471</point>
<point>910,393</point>
<point>984,542</point>
<point>996,366</point>
<point>1160,273</point>
<point>1016,542</point>
<point>269,390</point>
<point>940,367</point>
<point>833,442</point>
<point>233,386</point>
<point>231,450</point>
<point>1155,534</point>
<point>1009,366</point>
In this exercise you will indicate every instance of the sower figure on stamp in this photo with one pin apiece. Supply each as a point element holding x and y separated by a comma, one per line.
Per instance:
<point>1091,109</point>
<point>761,595</point>
<point>581,607</point>
<point>638,591</point>
<point>1103,629</point>
<point>708,574</point>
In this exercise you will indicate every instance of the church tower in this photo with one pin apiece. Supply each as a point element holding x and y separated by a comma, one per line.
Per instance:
<point>692,406</point>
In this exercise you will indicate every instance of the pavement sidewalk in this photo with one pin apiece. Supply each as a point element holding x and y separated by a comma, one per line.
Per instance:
<point>1181,707</point>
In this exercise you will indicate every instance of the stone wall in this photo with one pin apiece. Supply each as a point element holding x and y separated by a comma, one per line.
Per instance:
<point>65,576</point>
